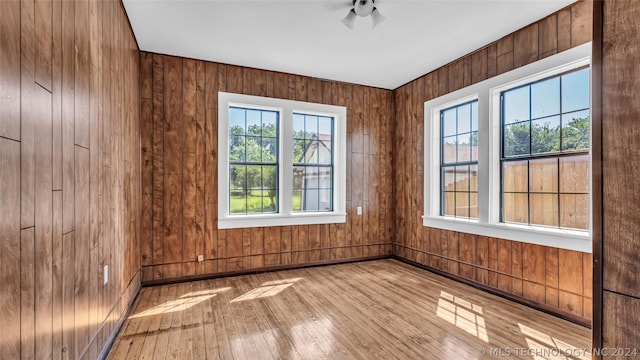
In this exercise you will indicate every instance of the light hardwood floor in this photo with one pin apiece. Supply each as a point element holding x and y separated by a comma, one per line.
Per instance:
<point>378,309</point>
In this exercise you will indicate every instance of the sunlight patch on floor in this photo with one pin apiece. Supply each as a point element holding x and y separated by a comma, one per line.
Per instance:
<point>184,302</point>
<point>269,288</point>
<point>463,314</point>
<point>546,347</point>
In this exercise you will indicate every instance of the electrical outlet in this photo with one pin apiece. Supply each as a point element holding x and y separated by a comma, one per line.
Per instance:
<point>105,275</point>
<point>200,258</point>
<point>359,210</point>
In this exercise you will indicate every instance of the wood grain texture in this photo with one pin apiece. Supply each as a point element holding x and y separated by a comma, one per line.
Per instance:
<point>541,275</point>
<point>616,50</point>
<point>70,196</point>
<point>179,104</point>
<point>359,310</point>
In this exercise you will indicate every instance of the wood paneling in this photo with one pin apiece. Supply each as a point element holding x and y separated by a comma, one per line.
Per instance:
<point>180,170</point>
<point>616,52</point>
<point>548,276</point>
<point>69,169</point>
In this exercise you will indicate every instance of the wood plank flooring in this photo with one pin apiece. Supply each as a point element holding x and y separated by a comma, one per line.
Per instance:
<point>376,309</point>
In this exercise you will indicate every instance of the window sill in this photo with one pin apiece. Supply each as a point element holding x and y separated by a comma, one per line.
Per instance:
<point>560,238</point>
<point>249,221</point>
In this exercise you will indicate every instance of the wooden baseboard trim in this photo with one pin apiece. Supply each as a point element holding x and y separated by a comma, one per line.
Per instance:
<point>260,270</point>
<point>521,300</point>
<point>106,348</point>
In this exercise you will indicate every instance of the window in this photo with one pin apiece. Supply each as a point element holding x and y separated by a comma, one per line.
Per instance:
<point>312,163</point>
<point>508,157</point>
<point>545,152</point>
<point>284,162</point>
<point>459,160</point>
<point>253,161</point>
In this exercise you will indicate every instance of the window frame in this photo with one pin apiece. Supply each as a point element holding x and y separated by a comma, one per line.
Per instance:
<point>487,93</point>
<point>285,215</point>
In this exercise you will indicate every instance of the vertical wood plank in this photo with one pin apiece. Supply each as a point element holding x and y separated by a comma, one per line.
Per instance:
<point>10,240</point>
<point>27,294</point>
<point>43,224</point>
<point>43,32</point>
<point>10,69</point>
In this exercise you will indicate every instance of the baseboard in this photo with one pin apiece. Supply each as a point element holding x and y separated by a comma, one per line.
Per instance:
<point>106,348</point>
<point>515,298</point>
<point>260,270</point>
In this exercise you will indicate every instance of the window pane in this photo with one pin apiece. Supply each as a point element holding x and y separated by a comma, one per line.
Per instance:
<point>544,209</point>
<point>574,211</point>
<point>325,127</point>
<point>325,153</point>
<point>325,179</point>
<point>545,98</point>
<point>516,139</point>
<point>464,118</point>
<point>298,150</point>
<point>515,208</point>
<point>269,177</point>
<point>298,126</point>
<point>325,200</point>
<point>449,203</point>
<point>448,177</point>
<point>237,189</point>
<point>449,150</point>
<point>311,126</point>
<point>298,177</point>
<point>296,200</point>
<point>543,175</point>
<point>514,176</point>
<point>516,105</point>
<point>464,147</point>
<point>575,91</point>
<point>473,177</point>
<point>236,121</point>
<point>474,146</point>
<point>473,205</point>
<point>574,174</point>
<point>269,122</point>
<point>462,204</point>
<point>254,127</point>
<point>254,149</point>
<point>449,122</point>
<point>310,180</point>
<point>575,130</point>
<point>236,148</point>
<point>310,200</point>
<point>462,178</point>
<point>474,116</point>
<point>254,176</point>
<point>545,135</point>
<point>269,150</point>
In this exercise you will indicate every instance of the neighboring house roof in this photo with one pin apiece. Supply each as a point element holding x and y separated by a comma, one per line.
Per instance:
<point>316,141</point>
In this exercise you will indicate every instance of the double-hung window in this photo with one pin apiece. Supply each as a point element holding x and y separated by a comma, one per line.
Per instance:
<point>508,157</point>
<point>459,160</point>
<point>545,152</point>
<point>280,162</point>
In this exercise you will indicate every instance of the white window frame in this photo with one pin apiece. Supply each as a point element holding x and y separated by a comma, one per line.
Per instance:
<point>285,215</point>
<point>487,93</point>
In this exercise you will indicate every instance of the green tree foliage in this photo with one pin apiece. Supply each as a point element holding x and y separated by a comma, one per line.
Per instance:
<point>545,137</point>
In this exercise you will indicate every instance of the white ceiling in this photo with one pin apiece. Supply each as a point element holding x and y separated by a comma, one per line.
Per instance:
<point>306,37</point>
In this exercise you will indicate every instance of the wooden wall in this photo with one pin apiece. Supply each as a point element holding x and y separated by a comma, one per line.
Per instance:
<point>553,278</point>
<point>618,48</point>
<point>180,171</point>
<point>69,176</point>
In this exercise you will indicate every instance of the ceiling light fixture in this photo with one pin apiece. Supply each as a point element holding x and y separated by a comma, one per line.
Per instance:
<point>362,8</point>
